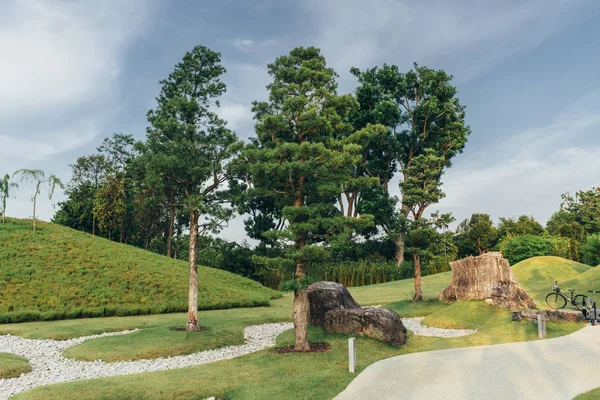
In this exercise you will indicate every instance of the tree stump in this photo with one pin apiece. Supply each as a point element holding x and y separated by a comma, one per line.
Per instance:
<point>486,277</point>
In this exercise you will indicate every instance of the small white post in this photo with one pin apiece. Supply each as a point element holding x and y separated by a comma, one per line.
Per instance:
<point>541,320</point>
<point>352,354</point>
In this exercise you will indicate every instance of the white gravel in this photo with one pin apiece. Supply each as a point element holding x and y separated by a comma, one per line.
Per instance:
<point>415,325</point>
<point>50,366</point>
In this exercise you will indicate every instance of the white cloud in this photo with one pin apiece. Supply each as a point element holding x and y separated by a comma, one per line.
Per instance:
<point>526,173</point>
<point>248,44</point>
<point>59,53</point>
<point>469,37</point>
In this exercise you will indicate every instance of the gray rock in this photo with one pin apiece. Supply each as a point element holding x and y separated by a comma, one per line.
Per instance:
<point>379,323</point>
<point>324,296</point>
<point>551,315</point>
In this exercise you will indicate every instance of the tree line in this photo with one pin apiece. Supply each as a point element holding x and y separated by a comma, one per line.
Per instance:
<point>313,182</point>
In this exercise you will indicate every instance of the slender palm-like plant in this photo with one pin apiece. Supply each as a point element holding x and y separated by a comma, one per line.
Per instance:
<point>5,186</point>
<point>39,178</point>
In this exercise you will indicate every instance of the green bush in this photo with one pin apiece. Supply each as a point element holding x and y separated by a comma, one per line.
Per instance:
<point>590,251</point>
<point>522,247</point>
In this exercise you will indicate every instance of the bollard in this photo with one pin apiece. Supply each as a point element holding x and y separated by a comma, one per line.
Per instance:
<point>541,320</point>
<point>352,354</point>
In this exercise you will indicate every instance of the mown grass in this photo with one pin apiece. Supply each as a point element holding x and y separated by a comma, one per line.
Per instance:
<point>537,274</point>
<point>267,375</point>
<point>591,395</point>
<point>12,365</point>
<point>59,273</point>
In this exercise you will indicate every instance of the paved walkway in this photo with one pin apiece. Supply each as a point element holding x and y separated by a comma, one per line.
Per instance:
<point>558,368</point>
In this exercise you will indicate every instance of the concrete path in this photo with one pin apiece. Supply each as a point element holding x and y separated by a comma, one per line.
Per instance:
<point>549,369</point>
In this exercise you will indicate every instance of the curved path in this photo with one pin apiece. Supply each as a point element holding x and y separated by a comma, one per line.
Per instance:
<point>558,368</point>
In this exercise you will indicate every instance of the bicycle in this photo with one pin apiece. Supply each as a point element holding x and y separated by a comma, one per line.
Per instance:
<point>558,300</point>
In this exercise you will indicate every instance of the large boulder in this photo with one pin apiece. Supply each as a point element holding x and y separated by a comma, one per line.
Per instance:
<point>486,277</point>
<point>379,323</point>
<point>324,296</point>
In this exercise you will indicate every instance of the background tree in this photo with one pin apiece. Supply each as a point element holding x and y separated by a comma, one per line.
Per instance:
<point>39,179</point>
<point>476,235</point>
<point>423,114</point>
<point>109,205</point>
<point>585,207</point>
<point>523,225</point>
<point>5,187</point>
<point>590,250</point>
<point>301,157</point>
<point>77,211</point>
<point>421,189</point>
<point>189,146</point>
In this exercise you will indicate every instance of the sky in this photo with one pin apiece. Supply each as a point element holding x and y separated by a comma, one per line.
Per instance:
<point>75,72</point>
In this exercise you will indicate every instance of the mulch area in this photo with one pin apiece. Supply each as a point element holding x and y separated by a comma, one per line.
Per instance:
<point>314,348</point>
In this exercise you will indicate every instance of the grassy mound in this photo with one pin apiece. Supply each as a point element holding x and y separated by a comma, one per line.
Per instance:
<point>60,273</point>
<point>12,366</point>
<point>537,274</point>
<point>544,270</point>
<point>589,280</point>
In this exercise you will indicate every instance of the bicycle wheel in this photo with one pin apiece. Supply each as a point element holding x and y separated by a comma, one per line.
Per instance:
<point>580,301</point>
<point>556,300</point>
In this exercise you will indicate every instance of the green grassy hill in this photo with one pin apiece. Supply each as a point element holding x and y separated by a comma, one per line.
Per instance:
<point>541,272</point>
<point>57,272</point>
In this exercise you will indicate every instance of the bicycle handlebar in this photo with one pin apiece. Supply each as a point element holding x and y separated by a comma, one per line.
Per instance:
<point>594,291</point>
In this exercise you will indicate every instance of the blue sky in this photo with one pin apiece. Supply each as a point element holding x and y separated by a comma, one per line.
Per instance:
<point>72,73</point>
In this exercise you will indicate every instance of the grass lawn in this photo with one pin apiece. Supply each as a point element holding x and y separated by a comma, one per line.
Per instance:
<point>537,274</point>
<point>266,375</point>
<point>12,365</point>
<point>591,395</point>
<point>60,273</point>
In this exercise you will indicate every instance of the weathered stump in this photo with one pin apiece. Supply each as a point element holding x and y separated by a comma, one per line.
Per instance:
<point>486,277</point>
<point>379,323</point>
<point>324,296</point>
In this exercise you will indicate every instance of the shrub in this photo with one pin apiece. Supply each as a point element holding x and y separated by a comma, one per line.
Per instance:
<point>519,248</point>
<point>590,251</point>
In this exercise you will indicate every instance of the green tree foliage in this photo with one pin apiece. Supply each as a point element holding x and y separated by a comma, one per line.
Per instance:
<point>421,189</point>
<point>524,225</point>
<point>519,248</point>
<point>476,235</point>
<point>188,147</point>
<point>109,204</point>
<point>585,208</point>
<point>423,115</point>
<point>39,179</point>
<point>5,189</point>
<point>590,251</point>
<point>77,211</point>
<point>301,156</point>
<point>563,223</point>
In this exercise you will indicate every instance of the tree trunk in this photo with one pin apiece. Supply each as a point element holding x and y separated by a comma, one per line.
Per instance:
<point>34,205</point>
<point>300,314</point>
<point>192,324</point>
<point>300,311</point>
<point>170,238</point>
<point>399,256</point>
<point>418,292</point>
<point>93,224</point>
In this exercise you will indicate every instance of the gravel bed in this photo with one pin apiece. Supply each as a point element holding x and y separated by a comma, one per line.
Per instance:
<point>415,325</point>
<point>50,366</point>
